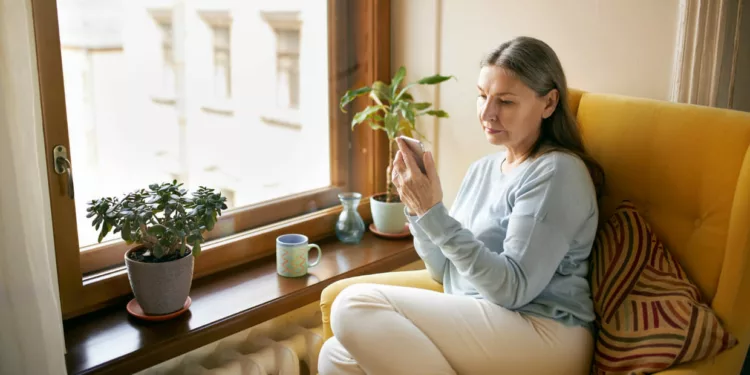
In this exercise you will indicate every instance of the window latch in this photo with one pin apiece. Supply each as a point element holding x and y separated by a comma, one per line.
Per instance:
<point>62,166</point>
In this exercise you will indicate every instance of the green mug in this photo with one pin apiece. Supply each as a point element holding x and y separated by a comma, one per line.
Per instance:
<point>292,259</point>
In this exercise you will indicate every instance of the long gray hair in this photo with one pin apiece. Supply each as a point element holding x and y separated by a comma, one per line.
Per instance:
<point>537,66</point>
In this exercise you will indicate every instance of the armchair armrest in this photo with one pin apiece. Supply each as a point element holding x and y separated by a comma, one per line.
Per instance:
<point>417,279</point>
<point>729,362</point>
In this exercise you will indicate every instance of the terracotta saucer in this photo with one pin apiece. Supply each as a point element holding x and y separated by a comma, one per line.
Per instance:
<point>406,233</point>
<point>134,308</point>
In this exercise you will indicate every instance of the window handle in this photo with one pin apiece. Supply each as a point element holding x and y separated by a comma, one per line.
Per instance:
<point>62,166</point>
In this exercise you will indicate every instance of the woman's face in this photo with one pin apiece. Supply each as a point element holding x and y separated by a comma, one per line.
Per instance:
<point>510,112</point>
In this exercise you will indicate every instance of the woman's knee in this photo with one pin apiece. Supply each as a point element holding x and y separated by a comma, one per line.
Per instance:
<point>349,307</point>
<point>326,363</point>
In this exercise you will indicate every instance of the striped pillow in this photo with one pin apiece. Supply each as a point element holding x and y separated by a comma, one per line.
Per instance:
<point>649,316</point>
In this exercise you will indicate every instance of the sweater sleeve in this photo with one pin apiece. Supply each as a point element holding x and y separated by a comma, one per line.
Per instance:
<point>430,253</point>
<point>549,208</point>
<point>434,259</point>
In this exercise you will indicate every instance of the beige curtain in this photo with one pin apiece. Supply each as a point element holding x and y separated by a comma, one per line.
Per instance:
<point>31,334</point>
<point>703,61</point>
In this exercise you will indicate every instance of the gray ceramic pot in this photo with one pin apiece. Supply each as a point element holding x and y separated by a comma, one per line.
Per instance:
<point>388,217</point>
<point>160,288</point>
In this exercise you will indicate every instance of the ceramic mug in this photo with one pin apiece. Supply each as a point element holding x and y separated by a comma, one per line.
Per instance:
<point>292,259</point>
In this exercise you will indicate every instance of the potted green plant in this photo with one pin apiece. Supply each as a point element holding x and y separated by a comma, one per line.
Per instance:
<point>393,111</point>
<point>167,228</point>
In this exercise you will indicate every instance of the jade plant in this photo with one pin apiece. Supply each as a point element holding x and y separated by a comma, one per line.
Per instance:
<point>393,111</point>
<point>162,218</point>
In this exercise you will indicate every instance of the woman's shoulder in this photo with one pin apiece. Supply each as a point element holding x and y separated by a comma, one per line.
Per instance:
<point>558,162</point>
<point>564,170</point>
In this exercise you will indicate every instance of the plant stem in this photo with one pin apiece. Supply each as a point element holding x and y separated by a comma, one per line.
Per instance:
<point>389,183</point>
<point>146,238</point>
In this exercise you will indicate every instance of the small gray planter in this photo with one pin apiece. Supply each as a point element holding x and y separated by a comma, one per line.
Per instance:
<point>388,217</point>
<point>160,288</point>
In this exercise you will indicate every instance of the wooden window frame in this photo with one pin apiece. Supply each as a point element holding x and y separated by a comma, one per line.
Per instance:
<point>358,162</point>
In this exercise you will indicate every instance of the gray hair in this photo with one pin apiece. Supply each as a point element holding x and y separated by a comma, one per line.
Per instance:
<point>537,66</point>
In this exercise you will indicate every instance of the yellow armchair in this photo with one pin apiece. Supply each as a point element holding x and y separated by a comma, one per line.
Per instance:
<point>687,169</point>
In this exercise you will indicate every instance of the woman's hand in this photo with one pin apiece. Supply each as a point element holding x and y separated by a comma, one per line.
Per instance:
<point>417,190</point>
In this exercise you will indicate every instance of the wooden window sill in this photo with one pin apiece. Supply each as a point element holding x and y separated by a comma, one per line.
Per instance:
<point>109,341</point>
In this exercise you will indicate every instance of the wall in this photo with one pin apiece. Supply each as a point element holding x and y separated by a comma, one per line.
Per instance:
<point>619,46</point>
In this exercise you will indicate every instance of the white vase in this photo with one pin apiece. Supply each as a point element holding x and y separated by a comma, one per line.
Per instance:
<point>388,216</point>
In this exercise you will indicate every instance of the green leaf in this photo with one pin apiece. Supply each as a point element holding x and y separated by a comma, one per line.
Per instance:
<point>158,251</point>
<point>126,236</point>
<point>432,80</point>
<point>391,124</point>
<point>210,223</point>
<point>403,94</point>
<point>410,116</point>
<point>420,135</point>
<point>363,115</point>
<point>196,249</point>
<point>380,92</point>
<point>421,106</point>
<point>167,243</point>
<point>157,230</point>
<point>350,95</point>
<point>400,74</point>
<point>105,229</point>
<point>375,126</point>
<point>194,237</point>
<point>438,113</point>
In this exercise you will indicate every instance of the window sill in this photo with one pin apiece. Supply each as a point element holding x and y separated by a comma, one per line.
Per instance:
<point>164,99</point>
<point>283,119</point>
<point>277,215</point>
<point>110,341</point>
<point>219,107</point>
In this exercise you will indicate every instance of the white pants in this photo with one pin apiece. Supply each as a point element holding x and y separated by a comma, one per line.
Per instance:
<point>391,330</point>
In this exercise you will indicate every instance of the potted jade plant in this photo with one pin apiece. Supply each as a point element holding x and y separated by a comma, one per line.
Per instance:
<point>166,227</point>
<point>393,111</point>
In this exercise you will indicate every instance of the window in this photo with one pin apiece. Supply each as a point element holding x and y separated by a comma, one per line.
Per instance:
<point>222,62</point>
<point>168,73</point>
<point>287,68</point>
<point>164,83</point>
<point>277,179</point>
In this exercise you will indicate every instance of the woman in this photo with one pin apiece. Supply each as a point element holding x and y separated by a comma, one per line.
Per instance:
<point>512,254</point>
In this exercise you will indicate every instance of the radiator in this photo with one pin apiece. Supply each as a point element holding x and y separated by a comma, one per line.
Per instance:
<point>286,345</point>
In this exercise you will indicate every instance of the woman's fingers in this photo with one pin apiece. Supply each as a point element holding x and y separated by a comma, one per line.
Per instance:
<point>399,163</point>
<point>429,166</point>
<point>406,155</point>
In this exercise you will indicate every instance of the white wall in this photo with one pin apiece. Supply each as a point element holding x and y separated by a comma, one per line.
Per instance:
<point>617,46</point>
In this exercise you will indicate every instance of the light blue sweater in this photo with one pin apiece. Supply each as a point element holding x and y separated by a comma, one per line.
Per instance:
<point>520,239</point>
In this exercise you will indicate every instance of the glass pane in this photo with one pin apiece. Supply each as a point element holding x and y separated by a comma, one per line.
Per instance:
<point>127,130</point>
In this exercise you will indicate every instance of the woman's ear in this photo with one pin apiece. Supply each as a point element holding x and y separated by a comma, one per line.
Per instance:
<point>550,103</point>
